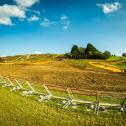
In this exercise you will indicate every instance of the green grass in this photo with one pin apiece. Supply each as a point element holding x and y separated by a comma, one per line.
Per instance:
<point>16,110</point>
<point>122,65</point>
<point>116,58</point>
<point>119,61</point>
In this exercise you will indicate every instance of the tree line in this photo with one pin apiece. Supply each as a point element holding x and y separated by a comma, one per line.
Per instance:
<point>90,52</point>
<point>124,54</point>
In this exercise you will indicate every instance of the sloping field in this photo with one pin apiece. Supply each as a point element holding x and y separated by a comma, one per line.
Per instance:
<point>119,62</point>
<point>16,110</point>
<point>30,58</point>
<point>65,74</point>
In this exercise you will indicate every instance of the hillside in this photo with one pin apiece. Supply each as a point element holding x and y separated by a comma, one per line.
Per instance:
<point>118,61</point>
<point>84,79</point>
<point>28,111</point>
<point>31,58</point>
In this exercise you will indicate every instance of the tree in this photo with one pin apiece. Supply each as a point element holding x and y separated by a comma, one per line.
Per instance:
<point>74,49</point>
<point>81,53</point>
<point>107,54</point>
<point>75,52</point>
<point>75,55</point>
<point>124,54</point>
<point>90,49</point>
<point>1,59</point>
<point>91,52</point>
<point>67,55</point>
<point>96,55</point>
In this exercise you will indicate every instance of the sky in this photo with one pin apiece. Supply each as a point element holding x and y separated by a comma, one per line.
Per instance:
<point>53,26</point>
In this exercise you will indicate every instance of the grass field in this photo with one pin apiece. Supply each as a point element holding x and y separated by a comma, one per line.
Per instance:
<point>84,80</point>
<point>119,62</point>
<point>16,110</point>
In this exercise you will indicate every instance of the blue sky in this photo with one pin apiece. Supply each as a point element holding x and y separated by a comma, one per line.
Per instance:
<point>53,26</point>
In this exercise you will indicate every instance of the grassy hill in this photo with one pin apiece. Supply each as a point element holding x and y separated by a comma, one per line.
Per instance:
<point>118,61</point>
<point>32,58</point>
<point>59,74</point>
<point>16,110</point>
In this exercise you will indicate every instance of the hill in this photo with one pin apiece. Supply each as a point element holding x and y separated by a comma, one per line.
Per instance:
<point>31,58</point>
<point>17,110</point>
<point>83,78</point>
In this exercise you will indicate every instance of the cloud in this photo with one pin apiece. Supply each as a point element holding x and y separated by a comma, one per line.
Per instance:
<point>9,11</point>
<point>26,3</point>
<point>37,52</point>
<point>63,17</point>
<point>33,18</point>
<point>33,11</point>
<point>46,22</point>
<point>5,21</point>
<point>110,7</point>
<point>65,27</point>
<point>36,12</point>
<point>65,21</point>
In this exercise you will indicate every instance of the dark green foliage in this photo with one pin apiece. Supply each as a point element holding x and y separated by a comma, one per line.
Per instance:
<point>74,49</point>
<point>75,52</point>
<point>124,54</point>
<point>1,59</point>
<point>107,54</point>
<point>67,55</point>
<point>90,52</point>
<point>90,48</point>
<point>96,55</point>
<point>81,53</point>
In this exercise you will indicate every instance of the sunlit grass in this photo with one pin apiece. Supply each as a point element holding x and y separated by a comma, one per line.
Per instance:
<point>16,110</point>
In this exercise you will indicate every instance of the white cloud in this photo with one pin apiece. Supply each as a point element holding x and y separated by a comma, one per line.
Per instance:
<point>33,18</point>
<point>63,17</point>
<point>36,12</point>
<point>46,22</point>
<point>110,7</point>
<point>9,11</point>
<point>5,21</point>
<point>65,27</point>
<point>33,11</point>
<point>26,3</point>
<point>37,52</point>
<point>65,21</point>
